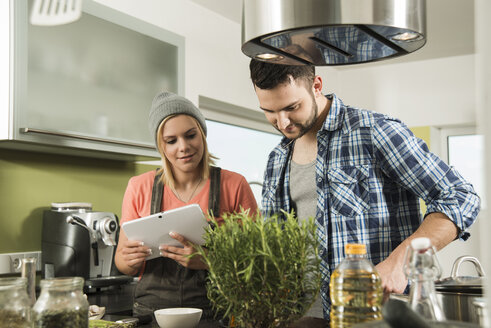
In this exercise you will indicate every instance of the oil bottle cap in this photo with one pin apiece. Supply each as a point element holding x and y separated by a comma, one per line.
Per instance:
<point>357,249</point>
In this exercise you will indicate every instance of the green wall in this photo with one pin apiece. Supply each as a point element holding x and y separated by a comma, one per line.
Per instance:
<point>30,182</point>
<point>423,132</point>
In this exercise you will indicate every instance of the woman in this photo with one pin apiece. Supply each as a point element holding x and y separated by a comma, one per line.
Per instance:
<point>187,176</point>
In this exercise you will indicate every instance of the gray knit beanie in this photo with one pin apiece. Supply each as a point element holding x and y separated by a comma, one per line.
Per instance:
<point>166,104</point>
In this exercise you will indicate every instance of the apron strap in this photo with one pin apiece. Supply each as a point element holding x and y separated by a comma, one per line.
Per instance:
<point>214,200</point>
<point>157,193</point>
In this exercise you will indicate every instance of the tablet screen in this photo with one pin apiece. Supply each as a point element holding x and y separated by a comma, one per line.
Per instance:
<point>153,230</point>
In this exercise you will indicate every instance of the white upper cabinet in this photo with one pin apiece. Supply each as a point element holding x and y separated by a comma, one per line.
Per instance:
<point>85,88</point>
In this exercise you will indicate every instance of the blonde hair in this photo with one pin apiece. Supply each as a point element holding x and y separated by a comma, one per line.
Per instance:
<point>206,161</point>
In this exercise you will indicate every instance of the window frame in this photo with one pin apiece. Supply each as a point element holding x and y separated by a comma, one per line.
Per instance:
<point>445,132</point>
<point>227,113</point>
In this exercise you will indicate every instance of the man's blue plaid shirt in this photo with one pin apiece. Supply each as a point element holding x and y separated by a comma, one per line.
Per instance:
<point>370,173</point>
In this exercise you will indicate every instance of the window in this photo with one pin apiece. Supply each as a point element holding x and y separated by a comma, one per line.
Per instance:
<point>465,150</point>
<point>242,150</point>
<point>241,137</point>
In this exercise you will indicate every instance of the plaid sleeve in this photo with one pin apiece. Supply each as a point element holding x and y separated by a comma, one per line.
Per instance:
<point>408,161</point>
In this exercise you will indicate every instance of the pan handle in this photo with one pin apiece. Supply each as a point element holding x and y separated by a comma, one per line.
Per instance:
<point>467,258</point>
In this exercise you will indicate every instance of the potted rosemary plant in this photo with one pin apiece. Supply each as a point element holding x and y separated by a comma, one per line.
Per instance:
<point>263,272</point>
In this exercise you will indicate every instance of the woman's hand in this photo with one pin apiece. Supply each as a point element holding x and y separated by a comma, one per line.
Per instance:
<point>181,254</point>
<point>130,255</point>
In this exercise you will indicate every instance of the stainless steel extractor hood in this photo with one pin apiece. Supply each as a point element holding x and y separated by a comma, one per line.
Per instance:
<point>332,32</point>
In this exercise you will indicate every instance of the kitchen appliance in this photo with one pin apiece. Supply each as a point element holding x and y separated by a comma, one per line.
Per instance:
<point>458,294</point>
<point>77,241</point>
<point>461,297</point>
<point>398,314</point>
<point>332,32</point>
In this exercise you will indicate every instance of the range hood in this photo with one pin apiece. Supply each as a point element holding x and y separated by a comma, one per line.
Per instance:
<point>332,32</point>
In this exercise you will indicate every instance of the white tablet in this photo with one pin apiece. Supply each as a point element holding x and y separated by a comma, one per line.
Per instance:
<point>189,221</point>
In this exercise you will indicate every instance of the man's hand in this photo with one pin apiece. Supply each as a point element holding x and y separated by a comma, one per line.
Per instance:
<point>181,254</point>
<point>437,227</point>
<point>393,278</point>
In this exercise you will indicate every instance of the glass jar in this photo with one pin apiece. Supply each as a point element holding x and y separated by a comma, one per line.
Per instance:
<point>15,308</point>
<point>61,303</point>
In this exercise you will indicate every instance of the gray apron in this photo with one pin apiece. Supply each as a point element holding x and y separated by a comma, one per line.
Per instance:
<point>165,283</point>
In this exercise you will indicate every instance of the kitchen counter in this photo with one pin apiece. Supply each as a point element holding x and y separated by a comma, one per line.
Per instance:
<point>202,324</point>
<point>118,301</point>
<point>305,322</point>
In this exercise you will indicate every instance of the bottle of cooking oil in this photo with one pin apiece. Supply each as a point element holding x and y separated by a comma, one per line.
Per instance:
<point>356,289</point>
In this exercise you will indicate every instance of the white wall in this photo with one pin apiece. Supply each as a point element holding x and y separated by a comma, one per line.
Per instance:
<point>420,93</point>
<point>214,64</point>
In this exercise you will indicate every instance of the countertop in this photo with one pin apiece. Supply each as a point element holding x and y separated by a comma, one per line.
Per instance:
<point>118,301</point>
<point>202,324</point>
<point>305,322</point>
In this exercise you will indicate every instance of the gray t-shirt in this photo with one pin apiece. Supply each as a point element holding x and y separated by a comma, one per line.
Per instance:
<point>304,197</point>
<point>302,189</point>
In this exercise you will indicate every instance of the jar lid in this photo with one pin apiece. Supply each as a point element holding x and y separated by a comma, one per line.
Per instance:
<point>356,249</point>
<point>62,282</point>
<point>12,282</point>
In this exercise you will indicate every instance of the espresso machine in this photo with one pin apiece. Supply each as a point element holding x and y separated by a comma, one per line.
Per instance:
<point>77,241</point>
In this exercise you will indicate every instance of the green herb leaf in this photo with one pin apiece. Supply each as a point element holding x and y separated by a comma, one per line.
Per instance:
<point>263,272</point>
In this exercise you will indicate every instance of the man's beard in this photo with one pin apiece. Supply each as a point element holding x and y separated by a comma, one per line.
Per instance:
<point>304,128</point>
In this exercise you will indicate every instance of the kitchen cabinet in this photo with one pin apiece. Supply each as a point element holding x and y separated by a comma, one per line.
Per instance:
<point>84,88</point>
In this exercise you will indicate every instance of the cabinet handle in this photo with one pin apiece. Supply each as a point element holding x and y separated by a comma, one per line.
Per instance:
<point>82,137</point>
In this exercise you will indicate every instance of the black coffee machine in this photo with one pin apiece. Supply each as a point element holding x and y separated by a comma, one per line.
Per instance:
<point>77,241</point>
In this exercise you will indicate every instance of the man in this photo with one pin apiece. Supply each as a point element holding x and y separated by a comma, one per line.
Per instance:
<point>359,173</point>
